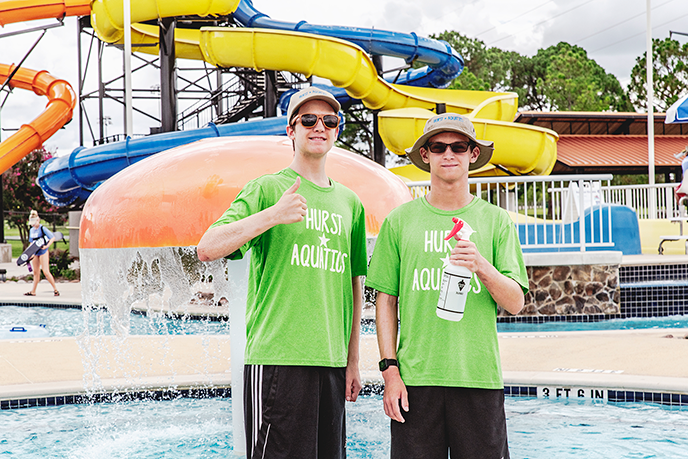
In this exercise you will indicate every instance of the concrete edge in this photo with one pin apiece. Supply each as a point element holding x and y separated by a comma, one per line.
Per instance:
<point>511,378</point>
<point>654,259</point>
<point>70,388</point>
<point>573,258</point>
<point>597,381</point>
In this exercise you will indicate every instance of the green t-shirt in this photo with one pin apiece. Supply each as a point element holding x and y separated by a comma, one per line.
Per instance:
<point>407,262</point>
<point>300,300</point>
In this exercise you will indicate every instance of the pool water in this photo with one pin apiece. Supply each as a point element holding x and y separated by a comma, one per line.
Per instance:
<point>609,324</point>
<point>182,428</point>
<point>202,428</point>
<point>541,429</point>
<point>74,322</point>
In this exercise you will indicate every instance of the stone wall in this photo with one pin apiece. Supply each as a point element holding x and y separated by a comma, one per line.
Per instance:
<point>574,289</point>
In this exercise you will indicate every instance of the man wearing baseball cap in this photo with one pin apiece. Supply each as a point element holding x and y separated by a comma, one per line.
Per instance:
<point>303,313</point>
<point>443,380</point>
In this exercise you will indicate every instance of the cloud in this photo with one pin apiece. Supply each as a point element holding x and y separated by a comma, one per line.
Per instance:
<point>611,31</point>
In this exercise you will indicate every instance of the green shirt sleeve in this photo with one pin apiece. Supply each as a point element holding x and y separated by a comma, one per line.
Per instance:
<point>359,259</point>
<point>509,258</point>
<point>249,201</point>
<point>383,273</point>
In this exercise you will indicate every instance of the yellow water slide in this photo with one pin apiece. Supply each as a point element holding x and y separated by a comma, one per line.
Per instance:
<point>519,149</point>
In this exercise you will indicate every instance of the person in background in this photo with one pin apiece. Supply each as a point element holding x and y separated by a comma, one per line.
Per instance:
<point>307,238</point>
<point>681,190</point>
<point>40,261</point>
<point>443,381</point>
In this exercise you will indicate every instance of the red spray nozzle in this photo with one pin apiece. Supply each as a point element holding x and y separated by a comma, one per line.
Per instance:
<point>458,224</point>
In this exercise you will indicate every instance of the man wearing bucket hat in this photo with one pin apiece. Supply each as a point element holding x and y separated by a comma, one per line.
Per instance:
<point>303,313</point>
<point>443,380</point>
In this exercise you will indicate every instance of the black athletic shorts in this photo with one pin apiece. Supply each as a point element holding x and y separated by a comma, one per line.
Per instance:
<point>469,423</point>
<point>294,412</point>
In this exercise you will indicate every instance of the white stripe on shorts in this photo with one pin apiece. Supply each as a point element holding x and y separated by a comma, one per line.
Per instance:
<point>256,395</point>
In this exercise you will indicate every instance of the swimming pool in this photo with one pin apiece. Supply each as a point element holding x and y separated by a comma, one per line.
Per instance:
<point>74,322</point>
<point>202,428</point>
<point>71,322</point>
<point>608,324</point>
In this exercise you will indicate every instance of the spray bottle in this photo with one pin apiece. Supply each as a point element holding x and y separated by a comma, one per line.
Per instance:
<point>456,283</point>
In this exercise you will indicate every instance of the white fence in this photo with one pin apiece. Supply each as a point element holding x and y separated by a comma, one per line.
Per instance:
<point>648,201</point>
<point>547,209</point>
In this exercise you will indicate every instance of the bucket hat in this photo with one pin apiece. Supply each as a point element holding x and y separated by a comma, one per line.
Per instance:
<point>450,122</point>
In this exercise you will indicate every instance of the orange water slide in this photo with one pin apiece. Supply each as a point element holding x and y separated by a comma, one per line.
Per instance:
<point>58,111</point>
<point>12,11</point>
<point>60,94</point>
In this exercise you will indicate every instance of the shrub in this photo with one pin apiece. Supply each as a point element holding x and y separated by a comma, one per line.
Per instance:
<point>60,260</point>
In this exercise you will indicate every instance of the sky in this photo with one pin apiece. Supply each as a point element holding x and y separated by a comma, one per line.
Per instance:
<point>613,32</point>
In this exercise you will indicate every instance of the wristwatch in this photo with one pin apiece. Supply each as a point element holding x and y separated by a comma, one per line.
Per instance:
<point>386,363</point>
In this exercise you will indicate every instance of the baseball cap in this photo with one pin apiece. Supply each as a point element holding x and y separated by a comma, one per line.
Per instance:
<point>307,94</point>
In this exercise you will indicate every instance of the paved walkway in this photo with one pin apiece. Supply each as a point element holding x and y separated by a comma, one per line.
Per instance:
<point>647,360</point>
<point>13,292</point>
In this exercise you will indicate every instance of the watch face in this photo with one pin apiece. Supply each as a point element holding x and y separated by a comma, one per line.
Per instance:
<point>385,363</point>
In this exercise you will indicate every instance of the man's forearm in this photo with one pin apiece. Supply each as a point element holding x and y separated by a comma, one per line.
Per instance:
<point>224,240</point>
<point>506,292</point>
<point>386,322</point>
<point>354,340</point>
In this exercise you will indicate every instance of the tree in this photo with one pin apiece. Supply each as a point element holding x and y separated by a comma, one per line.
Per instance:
<point>669,75</point>
<point>570,81</point>
<point>357,134</point>
<point>560,77</point>
<point>485,69</point>
<point>21,194</point>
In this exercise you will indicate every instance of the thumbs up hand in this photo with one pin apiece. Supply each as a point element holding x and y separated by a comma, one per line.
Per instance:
<point>291,207</point>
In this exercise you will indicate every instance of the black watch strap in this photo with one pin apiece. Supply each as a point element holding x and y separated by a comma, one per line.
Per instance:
<point>386,363</point>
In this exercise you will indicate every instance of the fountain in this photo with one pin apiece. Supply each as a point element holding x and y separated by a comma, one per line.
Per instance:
<point>137,246</point>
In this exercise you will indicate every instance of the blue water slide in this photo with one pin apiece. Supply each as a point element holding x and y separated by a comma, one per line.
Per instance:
<point>444,63</point>
<point>625,232</point>
<point>71,179</point>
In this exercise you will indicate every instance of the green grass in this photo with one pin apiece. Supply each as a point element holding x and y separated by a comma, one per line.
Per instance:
<point>16,244</point>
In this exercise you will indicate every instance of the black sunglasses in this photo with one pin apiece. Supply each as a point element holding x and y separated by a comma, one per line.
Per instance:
<point>441,147</point>
<point>308,120</point>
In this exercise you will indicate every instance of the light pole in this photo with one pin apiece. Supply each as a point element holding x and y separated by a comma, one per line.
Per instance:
<point>650,115</point>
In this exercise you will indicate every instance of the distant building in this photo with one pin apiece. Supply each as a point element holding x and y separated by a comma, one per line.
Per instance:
<point>606,142</point>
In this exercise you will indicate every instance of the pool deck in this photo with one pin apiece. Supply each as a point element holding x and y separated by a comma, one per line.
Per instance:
<point>631,360</point>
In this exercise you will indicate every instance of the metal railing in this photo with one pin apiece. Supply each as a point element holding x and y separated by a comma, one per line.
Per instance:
<point>548,209</point>
<point>648,201</point>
